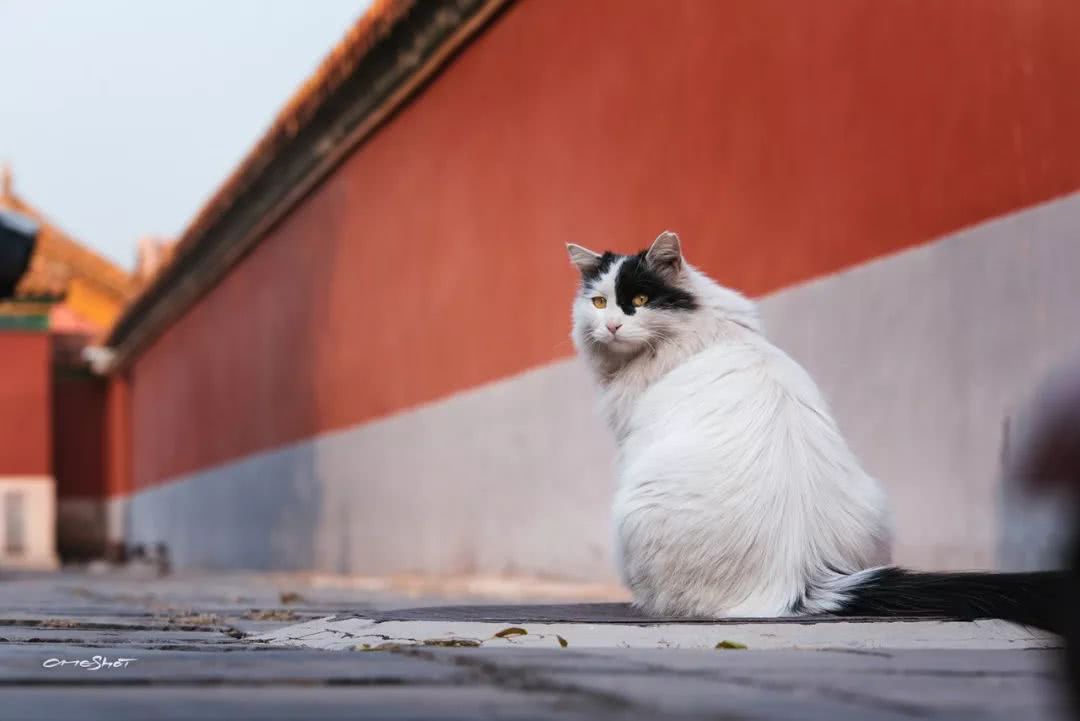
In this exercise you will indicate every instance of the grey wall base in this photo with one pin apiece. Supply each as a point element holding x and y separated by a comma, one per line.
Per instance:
<point>511,478</point>
<point>924,354</point>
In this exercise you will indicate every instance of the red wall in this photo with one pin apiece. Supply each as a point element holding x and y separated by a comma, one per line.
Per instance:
<point>118,456</point>
<point>783,140</point>
<point>25,376</point>
<point>79,436</point>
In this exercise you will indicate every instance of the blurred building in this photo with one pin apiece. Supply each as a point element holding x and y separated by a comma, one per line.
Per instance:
<point>52,431</point>
<point>151,255</point>
<point>357,358</point>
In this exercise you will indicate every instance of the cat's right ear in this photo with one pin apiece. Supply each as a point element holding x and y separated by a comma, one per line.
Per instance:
<point>584,259</point>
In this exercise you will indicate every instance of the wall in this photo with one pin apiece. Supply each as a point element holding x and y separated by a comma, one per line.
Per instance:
<point>922,354</point>
<point>79,435</point>
<point>79,448</point>
<point>28,517</point>
<point>512,477</point>
<point>25,447</point>
<point>925,354</point>
<point>118,458</point>
<point>26,480</point>
<point>783,141</point>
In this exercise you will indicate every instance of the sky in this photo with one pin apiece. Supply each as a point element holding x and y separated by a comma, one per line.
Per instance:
<point>119,118</point>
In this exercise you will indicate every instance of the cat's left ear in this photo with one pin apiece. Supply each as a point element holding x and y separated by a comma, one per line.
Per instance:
<point>665,255</point>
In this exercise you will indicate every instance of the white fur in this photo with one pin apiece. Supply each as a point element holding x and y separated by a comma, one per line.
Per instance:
<point>737,495</point>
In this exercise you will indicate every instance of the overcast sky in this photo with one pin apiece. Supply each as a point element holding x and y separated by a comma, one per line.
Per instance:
<point>120,117</point>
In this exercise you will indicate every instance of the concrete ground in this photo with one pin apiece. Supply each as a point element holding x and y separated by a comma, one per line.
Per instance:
<point>224,646</point>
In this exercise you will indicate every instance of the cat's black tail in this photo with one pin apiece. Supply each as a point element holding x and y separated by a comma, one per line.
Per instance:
<point>1032,599</point>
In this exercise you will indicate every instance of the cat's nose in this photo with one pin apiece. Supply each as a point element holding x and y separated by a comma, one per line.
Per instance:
<point>613,325</point>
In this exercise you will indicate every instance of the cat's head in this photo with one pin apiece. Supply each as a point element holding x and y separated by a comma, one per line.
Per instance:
<point>629,303</point>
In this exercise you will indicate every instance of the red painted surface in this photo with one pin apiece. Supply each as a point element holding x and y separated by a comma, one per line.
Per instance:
<point>783,140</point>
<point>118,456</point>
<point>79,435</point>
<point>25,376</point>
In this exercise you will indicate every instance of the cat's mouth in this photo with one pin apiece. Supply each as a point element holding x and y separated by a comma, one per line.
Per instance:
<point>619,344</point>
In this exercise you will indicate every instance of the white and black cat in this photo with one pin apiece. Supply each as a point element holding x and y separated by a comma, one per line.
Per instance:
<point>737,495</point>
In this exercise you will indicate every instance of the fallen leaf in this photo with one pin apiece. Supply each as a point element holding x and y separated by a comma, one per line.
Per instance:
<point>288,597</point>
<point>452,642</point>
<point>731,645</point>
<point>195,619</point>
<point>562,641</point>
<point>380,647</point>
<point>512,631</point>
<point>273,614</point>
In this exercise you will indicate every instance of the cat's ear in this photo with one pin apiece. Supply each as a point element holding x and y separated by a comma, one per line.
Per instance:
<point>586,260</point>
<point>665,254</point>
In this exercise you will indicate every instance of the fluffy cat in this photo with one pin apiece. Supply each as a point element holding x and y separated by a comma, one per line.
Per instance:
<point>736,493</point>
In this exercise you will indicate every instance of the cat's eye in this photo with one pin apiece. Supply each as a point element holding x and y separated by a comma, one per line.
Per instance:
<point>640,300</point>
<point>600,301</point>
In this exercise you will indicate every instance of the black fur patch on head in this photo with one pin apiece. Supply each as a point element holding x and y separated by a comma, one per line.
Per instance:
<point>637,278</point>
<point>602,267</point>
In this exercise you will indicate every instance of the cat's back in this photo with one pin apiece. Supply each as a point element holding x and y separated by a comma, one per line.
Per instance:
<point>739,412</point>
<point>726,383</point>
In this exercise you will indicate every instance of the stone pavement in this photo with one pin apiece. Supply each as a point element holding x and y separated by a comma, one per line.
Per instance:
<point>212,646</point>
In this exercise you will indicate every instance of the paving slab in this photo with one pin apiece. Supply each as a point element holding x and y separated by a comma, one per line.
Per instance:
<point>760,699</point>
<point>37,665</point>
<point>799,683</point>
<point>244,646</point>
<point>928,662</point>
<point>618,613</point>
<point>344,633</point>
<point>434,703</point>
<point>81,635</point>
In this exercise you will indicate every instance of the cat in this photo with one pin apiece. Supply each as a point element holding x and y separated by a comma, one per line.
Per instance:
<point>737,495</point>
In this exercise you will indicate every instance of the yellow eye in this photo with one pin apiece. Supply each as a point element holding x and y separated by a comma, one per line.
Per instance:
<point>600,301</point>
<point>640,300</point>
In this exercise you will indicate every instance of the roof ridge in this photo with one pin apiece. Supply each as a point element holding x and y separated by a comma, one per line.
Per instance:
<point>365,32</point>
<point>385,59</point>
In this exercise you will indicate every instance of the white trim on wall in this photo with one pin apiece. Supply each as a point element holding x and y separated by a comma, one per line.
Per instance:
<point>28,522</point>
